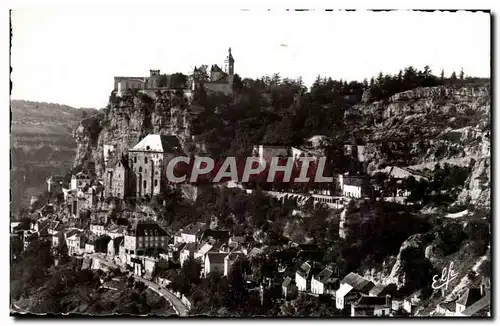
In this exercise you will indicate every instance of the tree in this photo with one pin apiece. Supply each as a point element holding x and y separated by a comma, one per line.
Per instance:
<point>442,75</point>
<point>178,81</point>
<point>462,74</point>
<point>453,77</point>
<point>163,81</point>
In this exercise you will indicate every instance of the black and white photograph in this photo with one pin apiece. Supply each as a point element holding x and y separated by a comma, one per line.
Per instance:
<point>178,162</point>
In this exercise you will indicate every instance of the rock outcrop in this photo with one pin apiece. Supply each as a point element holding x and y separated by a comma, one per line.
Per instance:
<point>424,126</point>
<point>125,121</point>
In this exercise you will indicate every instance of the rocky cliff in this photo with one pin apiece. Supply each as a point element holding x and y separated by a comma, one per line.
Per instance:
<point>125,121</point>
<point>425,126</point>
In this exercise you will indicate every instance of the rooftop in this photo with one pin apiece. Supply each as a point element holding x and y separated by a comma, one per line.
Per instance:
<point>149,229</point>
<point>159,143</point>
<point>216,257</point>
<point>194,229</point>
<point>369,301</point>
<point>358,282</point>
<point>470,296</point>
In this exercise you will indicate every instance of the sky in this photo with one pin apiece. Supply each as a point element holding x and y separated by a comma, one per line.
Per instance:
<point>69,55</point>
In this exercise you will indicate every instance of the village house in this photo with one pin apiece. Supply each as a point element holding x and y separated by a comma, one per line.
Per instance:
<point>411,301</point>
<point>97,228</point>
<point>352,287</point>
<point>354,186</point>
<point>90,247</point>
<point>80,180</point>
<point>265,153</point>
<point>114,247</point>
<point>289,288</point>
<point>187,252</point>
<point>55,227</point>
<point>76,242</point>
<point>480,308</point>
<point>191,233</point>
<point>304,274</point>
<point>117,179</point>
<point>368,306</point>
<point>230,260</point>
<point>325,282</point>
<point>101,243</point>
<point>214,262</point>
<point>145,237</point>
<point>55,183</point>
<point>219,236</point>
<point>115,231</point>
<point>57,238</point>
<point>378,290</point>
<point>457,307</point>
<point>203,248</point>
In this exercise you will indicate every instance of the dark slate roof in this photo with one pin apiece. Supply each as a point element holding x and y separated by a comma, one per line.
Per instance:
<point>233,256</point>
<point>470,296</point>
<point>286,282</point>
<point>194,229</point>
<point>180,245</point>
<point>325,275</point>
<point>103,240</point>
<point>304,269</point>
<point>369,301</point>
<point>216,68</point>
<point>122,160</point>
<point>358,282</point>
<point>222,235</point>
<point>191,247</point>
<point>117,242</point>
<point>216,257</point>
<point>149,229</point>
<point>378,289</point>
<point>353,181</point>
<point>450,306</point>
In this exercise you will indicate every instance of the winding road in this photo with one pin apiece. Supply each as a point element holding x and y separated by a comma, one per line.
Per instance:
<point>179,307</point>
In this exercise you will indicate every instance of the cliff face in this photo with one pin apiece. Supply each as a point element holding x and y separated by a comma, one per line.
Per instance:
<point>125,121</point>
<point>425,126</point>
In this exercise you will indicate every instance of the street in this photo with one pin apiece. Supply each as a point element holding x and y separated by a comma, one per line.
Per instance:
<point>176,303</point>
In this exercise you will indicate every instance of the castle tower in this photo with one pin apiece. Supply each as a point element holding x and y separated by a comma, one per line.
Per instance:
<point>119,92</point>
<point>230,66</point>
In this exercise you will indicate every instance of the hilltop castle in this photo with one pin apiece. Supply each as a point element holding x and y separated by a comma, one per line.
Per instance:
<point>217,81</point>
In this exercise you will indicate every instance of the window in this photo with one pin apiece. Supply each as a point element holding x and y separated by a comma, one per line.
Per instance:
<point>135,159</point>
<point>140,169</point>
<point>156,182</point>
<point>145,160</point>
<point>145,183</point>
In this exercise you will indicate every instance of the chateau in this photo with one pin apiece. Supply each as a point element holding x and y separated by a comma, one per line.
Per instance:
<point>218,80</point>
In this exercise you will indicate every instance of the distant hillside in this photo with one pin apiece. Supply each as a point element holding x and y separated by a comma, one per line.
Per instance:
<point>41,144</point>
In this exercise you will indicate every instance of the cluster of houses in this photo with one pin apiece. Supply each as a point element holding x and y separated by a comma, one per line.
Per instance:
<point>362,297</point>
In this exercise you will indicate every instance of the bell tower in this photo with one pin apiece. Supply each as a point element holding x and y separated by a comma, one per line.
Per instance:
<point>230,66</point>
